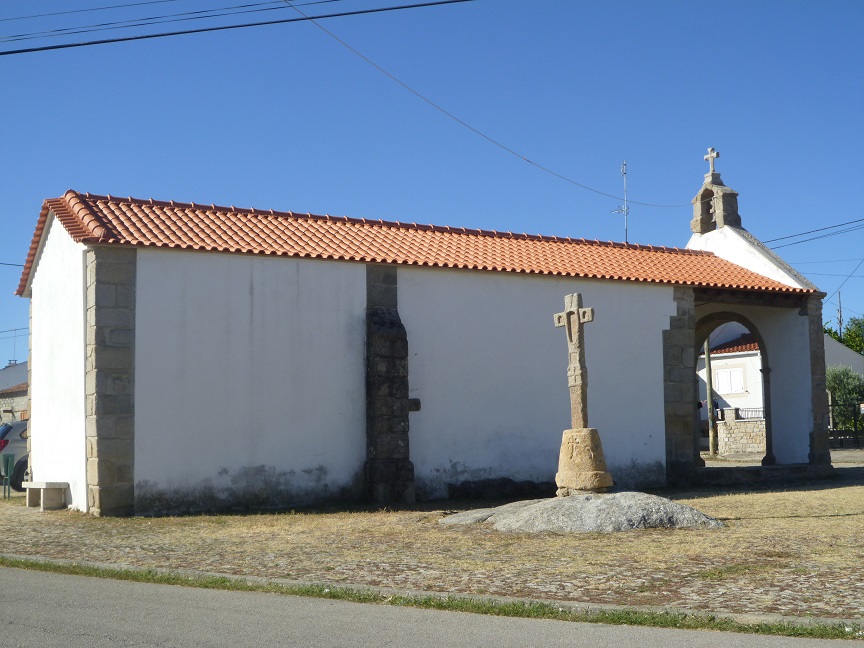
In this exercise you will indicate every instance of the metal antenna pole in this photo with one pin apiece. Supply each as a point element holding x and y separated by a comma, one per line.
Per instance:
<point>839,317</point>
<point>625,209</point>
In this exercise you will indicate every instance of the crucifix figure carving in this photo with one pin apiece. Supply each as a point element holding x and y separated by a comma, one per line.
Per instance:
<point>573,319</point>
<point>581,465</point>
<point>712,155</point>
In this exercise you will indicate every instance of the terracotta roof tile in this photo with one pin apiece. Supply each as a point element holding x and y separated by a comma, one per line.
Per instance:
<point>739,345</point>
<point>94,219</point>
<point>15,389</point>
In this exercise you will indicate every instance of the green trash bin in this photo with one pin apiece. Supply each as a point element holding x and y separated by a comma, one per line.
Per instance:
<point>8,465</point>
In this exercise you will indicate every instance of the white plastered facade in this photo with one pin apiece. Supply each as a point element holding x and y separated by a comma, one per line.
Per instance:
<point>57,421</point>
<point>739,247</point>
<point>491,371</point>
<point>248,366</point>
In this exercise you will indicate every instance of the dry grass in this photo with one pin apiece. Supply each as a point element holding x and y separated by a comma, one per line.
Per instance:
<point>796,551</point>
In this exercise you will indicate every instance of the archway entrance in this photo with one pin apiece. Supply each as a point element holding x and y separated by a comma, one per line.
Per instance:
<point>733,388</point>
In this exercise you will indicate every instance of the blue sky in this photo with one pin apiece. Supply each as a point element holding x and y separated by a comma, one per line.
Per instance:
<point>285,117</point>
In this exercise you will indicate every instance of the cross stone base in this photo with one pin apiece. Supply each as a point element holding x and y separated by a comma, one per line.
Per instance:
<point>581,464</point>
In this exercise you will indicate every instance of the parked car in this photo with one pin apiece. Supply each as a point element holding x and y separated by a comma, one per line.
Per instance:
<point>13,440</point>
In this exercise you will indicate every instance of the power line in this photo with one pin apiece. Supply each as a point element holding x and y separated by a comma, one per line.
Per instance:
<point>131,23</point>
<point>829,274</point>
<point>74,11</point>
<point>829,261</point>
<point>303,17</point>
<point>465,124</point>
<point>816,238</point>
<point>19,265</point>
<point>846,279</point>
<point>821,229</point>
<point>202,30</point>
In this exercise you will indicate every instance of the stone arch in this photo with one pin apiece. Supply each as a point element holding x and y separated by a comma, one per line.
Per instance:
<point>703,212</point>
<point>704,326</point>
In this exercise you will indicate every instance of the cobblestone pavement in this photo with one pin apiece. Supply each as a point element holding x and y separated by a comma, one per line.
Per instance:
<point>772,558</point>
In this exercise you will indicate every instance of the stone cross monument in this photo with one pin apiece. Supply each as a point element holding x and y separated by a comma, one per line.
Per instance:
<point>581,465</point>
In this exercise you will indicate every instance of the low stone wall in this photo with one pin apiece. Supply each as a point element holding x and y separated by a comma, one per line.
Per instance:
<point>13,406</point>
<point>736,435</point>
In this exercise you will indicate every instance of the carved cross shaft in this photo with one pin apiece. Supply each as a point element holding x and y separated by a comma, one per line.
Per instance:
<point>712,155</point>
<point>573,319</point>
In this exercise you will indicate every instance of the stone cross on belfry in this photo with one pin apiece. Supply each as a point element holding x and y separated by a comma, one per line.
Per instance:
<point>573,319</point>
<point>712,155</point>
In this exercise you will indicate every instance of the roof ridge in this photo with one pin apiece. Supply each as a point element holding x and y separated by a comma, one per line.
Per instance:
<point>380,222</point>
<point>79,209</point>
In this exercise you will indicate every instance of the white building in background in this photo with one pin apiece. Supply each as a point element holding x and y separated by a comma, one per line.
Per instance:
<point>196,357</point>
<point>838,354</point>
<point>736,367</point>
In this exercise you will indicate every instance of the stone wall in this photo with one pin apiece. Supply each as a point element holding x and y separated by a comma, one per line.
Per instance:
<point>389,471</point>
<point>13,406</point>
<point>109,379</point>
<point>679,387</point>
<point>819,448</point>
<point>735,435</point>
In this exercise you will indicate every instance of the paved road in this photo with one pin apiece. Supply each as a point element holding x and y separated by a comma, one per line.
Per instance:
<point>47,610</point>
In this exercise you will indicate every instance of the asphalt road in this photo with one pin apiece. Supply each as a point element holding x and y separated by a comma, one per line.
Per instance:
<point>46,610</point>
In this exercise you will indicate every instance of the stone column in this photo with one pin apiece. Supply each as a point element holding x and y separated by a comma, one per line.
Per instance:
<point>679,389</point>
<point>769,459</point>
<point>109,379</point>
<point>389,471</point>
<point>820,452</point>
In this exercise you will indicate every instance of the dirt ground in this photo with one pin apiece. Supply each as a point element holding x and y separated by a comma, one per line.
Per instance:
<point>793,549</point>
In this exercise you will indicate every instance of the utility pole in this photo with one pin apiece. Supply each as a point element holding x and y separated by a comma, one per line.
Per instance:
<point>709,394</point>
<point>624,209</point>
<point>839,316</point>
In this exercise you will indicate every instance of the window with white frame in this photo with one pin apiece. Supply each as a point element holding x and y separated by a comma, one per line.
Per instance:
<point>730,381</point>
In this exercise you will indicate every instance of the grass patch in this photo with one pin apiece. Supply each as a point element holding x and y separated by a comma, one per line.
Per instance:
<point>728,571</point>
<point>520,609</point>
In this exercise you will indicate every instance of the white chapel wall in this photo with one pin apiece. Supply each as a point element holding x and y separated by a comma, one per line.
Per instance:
<point>248,370</point>
<point>490,369</point>
<point>728,243</point>
<point>57,418</point>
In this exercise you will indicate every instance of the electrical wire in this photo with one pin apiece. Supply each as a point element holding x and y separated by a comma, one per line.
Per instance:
<point>829,261</point>
<point>19,265</point>
<point>465,124</point>
<point>828,274</point>
<point>821,229</point>
<point>202,30</point>
<point>204,14</point>
<point>312,19</point>
<point>74,11</point>
<point>860,263</point>
<point>816,238</point>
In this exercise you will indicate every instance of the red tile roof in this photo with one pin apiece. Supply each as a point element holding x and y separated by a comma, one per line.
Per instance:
<point>21,387</point>
<point>739,345</point>
<point>93,219</point>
